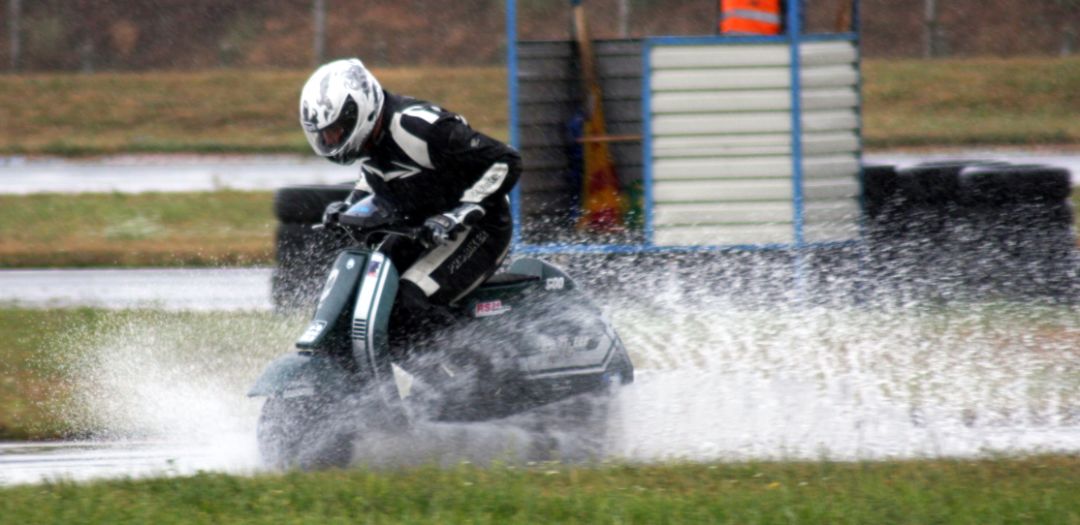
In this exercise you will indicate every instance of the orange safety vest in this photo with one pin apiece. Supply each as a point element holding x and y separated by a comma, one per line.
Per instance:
<point>750,17</point>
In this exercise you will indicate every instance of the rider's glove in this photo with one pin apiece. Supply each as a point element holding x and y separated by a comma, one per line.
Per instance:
<point>445,227</point>
<point>333,212</point>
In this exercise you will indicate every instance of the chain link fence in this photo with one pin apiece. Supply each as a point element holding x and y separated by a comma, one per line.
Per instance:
<point>94,35</point>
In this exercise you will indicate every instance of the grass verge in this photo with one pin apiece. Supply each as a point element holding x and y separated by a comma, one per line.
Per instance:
<point>1029,490</point>
<point>969,102</point>
<point>955,102</point>
<point>209,112</point>
<point>150,229</point>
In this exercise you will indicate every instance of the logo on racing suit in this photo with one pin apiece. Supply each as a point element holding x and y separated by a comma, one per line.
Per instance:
<point>490,308</point>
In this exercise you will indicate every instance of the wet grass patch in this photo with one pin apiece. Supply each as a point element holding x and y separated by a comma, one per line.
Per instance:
<point>1040,489</point>
<point>147,229</point>
<point>100,373</point>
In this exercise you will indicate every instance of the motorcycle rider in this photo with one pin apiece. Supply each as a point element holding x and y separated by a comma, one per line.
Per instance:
<point>436,171</point>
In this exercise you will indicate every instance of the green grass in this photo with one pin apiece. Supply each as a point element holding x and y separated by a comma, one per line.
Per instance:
<point>1029,490</point>
<point>152,229</point>
<point>29,377</point>
<point>157,229</point>
<point>956,102</point>
<point>210,112</point>
<point>966,102</point>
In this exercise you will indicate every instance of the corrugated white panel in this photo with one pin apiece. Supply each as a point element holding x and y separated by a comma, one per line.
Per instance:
<point>714,213</point>
<point>721,143</point>
<point>831,232</point>
<point>712,168</point>
<point>825,189</point>
<point>828,166</point>
<point>742,123</point>
<point>745,145</point>
<point>712,56</point>
<point>828,53</point>
<point>829,121</point>
<point>720,212</point>
<point>829,98</point>
<point>722,190</point>
<point>719,235</point>
<point>829,76</point>
<point>745,167</point>
<point>721,79</point>
<point>712,123</point>
<point>750,78</point>
<point>823,143</point>
<point>816,212</point>
<point>690,57</point>
<point>702,101</point>
<point>718,145</point>
<point>760,100</point>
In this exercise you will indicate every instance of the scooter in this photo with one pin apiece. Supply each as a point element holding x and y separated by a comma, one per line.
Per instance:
<point>527,341</point>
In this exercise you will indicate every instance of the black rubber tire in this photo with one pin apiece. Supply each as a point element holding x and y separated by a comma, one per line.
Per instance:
<point>993,185</point>
<point>879,187</point>
<point>304,204</point>
<point>301,433</point>
<point>935,184</point>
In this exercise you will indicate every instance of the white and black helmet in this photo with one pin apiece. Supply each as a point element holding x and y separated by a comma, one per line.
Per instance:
<point>338,109</point>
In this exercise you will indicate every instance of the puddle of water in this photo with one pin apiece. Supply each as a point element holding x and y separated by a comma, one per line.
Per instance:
<point>718,380</point>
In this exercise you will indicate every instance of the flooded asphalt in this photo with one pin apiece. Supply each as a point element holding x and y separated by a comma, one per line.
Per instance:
<point>715,384</point>
<point>163,173</point>
<point>165,289</point>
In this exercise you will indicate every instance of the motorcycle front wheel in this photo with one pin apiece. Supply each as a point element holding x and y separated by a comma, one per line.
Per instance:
<point>303,432</point>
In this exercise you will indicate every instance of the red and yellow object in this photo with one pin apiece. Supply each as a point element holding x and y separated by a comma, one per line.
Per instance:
<point>751,17</point>
<point>603,204</point>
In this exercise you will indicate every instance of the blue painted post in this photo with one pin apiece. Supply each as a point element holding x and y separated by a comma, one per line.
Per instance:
<point>794,30</point>
<point>646,139</point>
<point>512,84</point>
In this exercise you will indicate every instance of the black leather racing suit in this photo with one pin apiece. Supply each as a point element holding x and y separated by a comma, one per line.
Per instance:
<point>427,161</point>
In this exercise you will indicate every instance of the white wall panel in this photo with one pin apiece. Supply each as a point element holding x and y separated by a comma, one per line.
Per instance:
<point>722,159</point>
<point>756,55</point>
<point>744,101</point>
<point>818,143</point>
<point>724,212</point>
<point>781,233</point>
<point>722,190</point>
<point>749,167</point>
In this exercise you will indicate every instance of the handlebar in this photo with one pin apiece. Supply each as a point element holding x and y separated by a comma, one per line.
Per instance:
<point>361,235</point>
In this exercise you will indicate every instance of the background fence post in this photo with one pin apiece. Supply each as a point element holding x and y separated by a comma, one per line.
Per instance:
<point>931,46</point>
<point>319,45</point>
<point>14,10</point>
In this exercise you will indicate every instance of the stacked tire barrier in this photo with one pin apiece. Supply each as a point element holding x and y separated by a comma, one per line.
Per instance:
<point>970,230</point>
<point>955,230</point>
<point>304,254</point>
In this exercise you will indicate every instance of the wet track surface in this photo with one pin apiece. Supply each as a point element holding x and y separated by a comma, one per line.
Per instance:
<point>265,172</point>
<point>81,461</point>
<point>133,174</point>
<point>168,289</point>
<point>716,382</point>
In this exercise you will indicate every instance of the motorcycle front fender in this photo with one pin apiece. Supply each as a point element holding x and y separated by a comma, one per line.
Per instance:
<point>299,374</point>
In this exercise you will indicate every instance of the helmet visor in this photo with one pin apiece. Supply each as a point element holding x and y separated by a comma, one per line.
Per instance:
<point>332,138</point>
